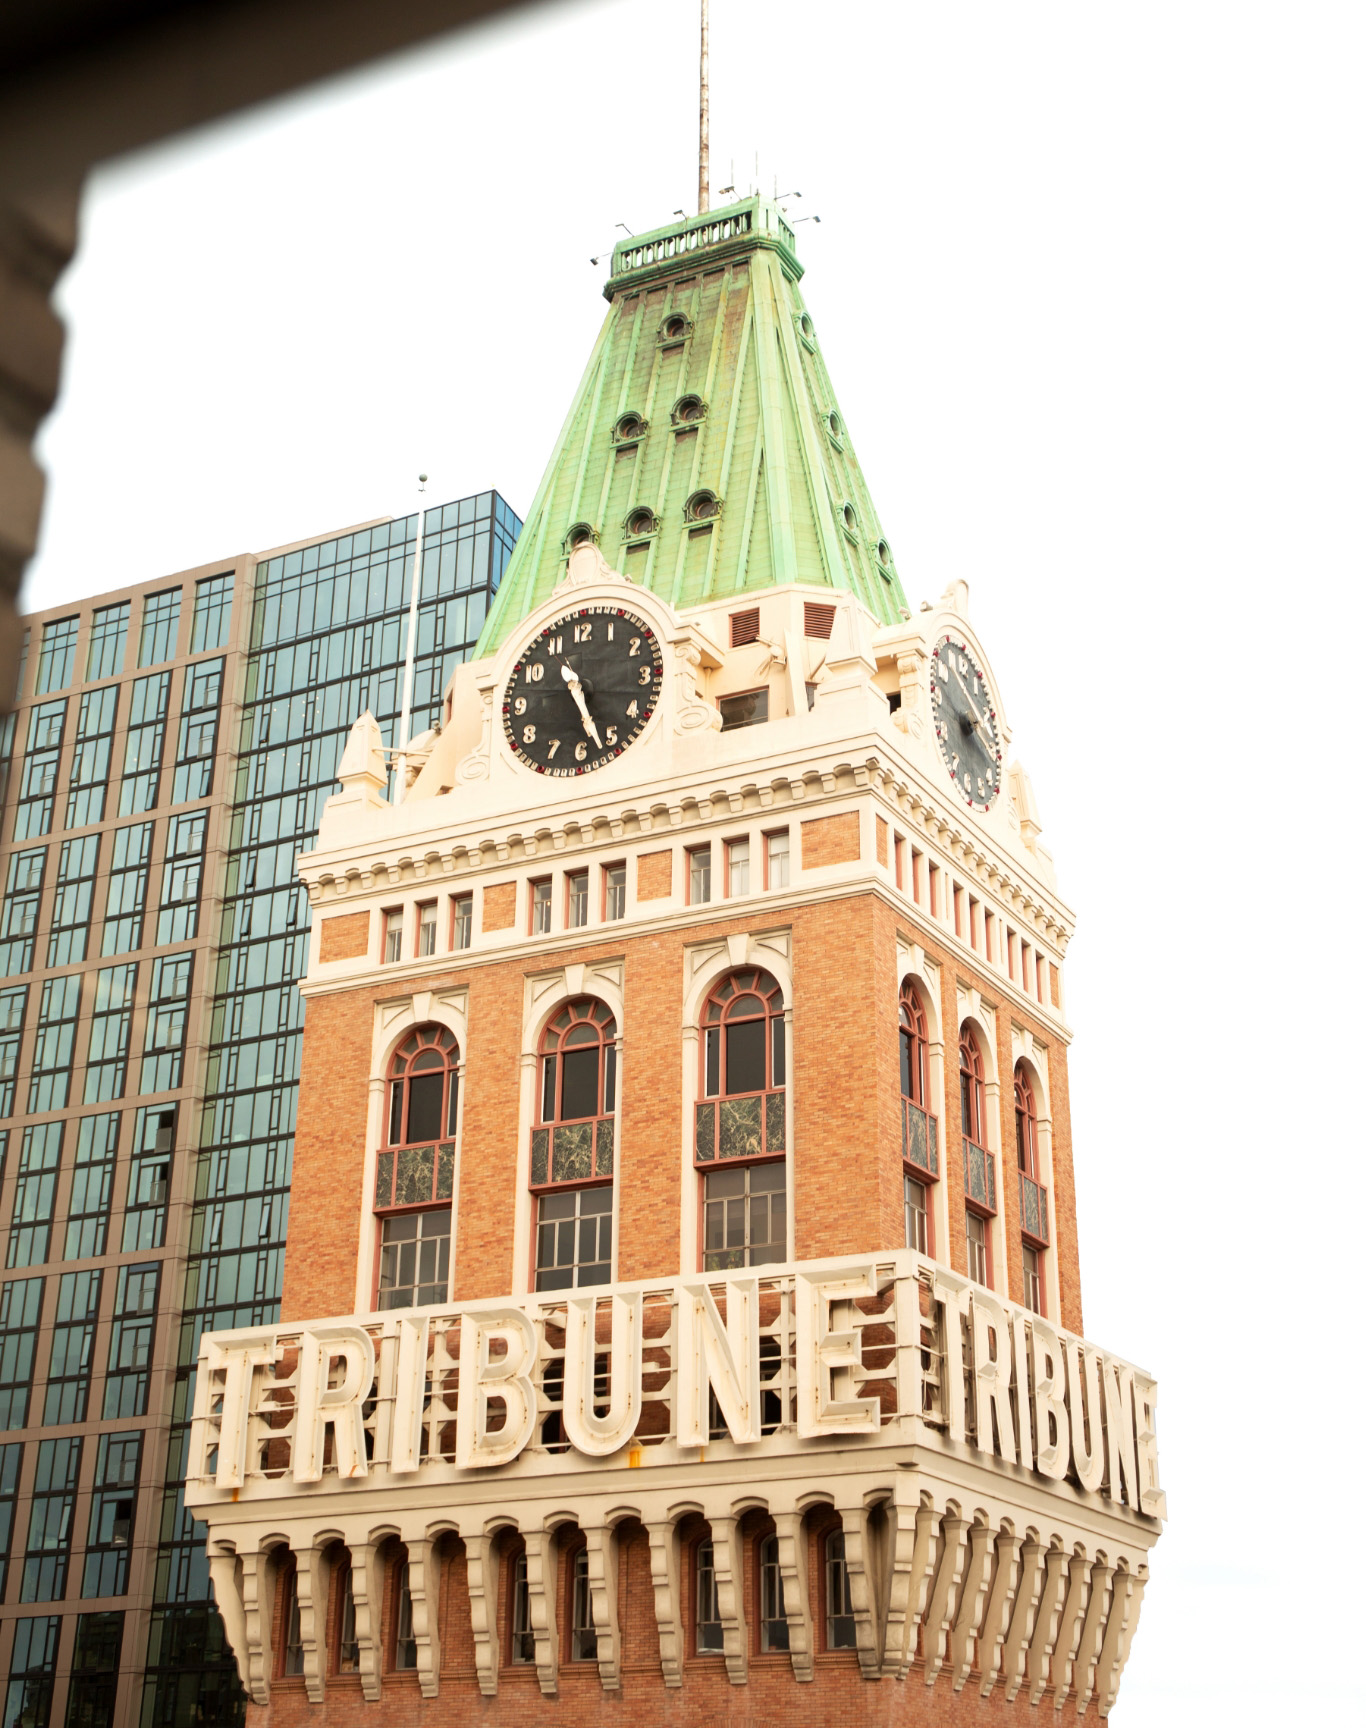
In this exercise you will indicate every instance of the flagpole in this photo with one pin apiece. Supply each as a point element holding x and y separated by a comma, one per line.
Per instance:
<point>704,125</point>
<point>405,718</point>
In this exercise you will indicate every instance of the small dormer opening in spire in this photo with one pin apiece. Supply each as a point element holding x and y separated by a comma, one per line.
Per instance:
<point>750,489</point>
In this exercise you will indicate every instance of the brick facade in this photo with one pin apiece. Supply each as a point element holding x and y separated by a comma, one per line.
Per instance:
<point>846,1168</point>
<point>344,938</point>
<point>830,840</point>
<point>500,906</point>
<point>654,875</point>
<point>835,1697</point>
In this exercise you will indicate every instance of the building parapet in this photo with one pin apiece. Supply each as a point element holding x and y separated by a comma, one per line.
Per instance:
<point>997,1477</point>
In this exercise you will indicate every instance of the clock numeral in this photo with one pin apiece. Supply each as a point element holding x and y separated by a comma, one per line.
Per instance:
<point>554,746</point>
<point>635,645</point>
<point>584,632</point>
<point>535,672</point>
<point>611,734</point>
<point>528,734</point>
<point>645,674</point>
<point>556,644</point>
<point>580,751</point>
<point>633,709</point>
<point>519,706</point>
<point>611,629</point>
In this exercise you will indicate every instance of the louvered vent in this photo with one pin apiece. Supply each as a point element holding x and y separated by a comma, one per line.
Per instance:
<point>744,627</point>
<point>820,621</point>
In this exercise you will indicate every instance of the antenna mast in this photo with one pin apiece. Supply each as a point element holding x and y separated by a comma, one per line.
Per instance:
<point>704,127</point>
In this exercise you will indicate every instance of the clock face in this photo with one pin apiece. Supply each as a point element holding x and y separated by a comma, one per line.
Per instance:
<point>582,691</point>
<point>965,723</point>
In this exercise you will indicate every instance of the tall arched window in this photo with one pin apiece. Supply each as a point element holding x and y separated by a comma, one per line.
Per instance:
<point>415,1170</point>
<point>979,1164</point>
<point>573,1146</point>
<point>774,1632</point>
<point>971,1086</point>
<point>919,1130</point>
<point>1033,1195</point>
<point>741,1122</point>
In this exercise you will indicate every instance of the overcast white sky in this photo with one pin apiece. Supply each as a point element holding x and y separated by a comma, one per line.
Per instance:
<point>1090,281</point>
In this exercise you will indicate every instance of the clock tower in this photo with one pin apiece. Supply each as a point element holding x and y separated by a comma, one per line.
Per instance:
<point>682,1301</point>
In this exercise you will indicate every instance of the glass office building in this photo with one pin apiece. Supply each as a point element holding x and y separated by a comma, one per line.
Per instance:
<point>167,757</point>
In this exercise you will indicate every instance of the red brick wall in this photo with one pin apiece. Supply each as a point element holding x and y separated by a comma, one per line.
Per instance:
<point>845,1064</point>
<point>500,906</point>
<point>654,875</point>
<point>836,1697</point>
<point>846,1157</point>
<point>830,840</point>
<point>344,938</point>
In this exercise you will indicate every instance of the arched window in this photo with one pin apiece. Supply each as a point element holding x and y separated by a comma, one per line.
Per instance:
<point>709,1633</point>
<point>415,1170</point>
<point>919,1130</point>
<point>1026,1124</point>
<point>424,1087</point>
<point>573,1146</point>
<point>971,1086</point>
<point>1033,1195</point>
<point>291,1657</point>
<point>583,1642</point>
<point>773,1627</point>
<point>741,1122</point>
<point>521,1636</point>
<point>345,1650</point>
<point>839,1603</point>
<point>913,1042</point>
<point>979,1164</point>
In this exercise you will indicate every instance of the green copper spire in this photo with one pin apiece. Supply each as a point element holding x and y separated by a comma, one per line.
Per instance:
<point>705,450</point>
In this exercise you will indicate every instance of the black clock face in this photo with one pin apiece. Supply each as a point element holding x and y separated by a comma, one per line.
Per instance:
<point>582,691</point>
<point>965,723</point>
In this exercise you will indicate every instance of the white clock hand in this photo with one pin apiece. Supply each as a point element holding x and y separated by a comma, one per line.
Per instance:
<point>971,704</point>
<point>575,684</point>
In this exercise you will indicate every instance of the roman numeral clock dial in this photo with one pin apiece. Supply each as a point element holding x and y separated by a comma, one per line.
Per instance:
<point>582,691</point>
<point>965,723</point>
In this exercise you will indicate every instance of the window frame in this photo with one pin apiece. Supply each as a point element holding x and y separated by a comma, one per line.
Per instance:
<point>695,854</point>
<point>391,935</point>
<point>832,1534</point>
<point>536,901</point>
<point>695,1560</point>
<point>769,836</point>
<point>400,1070</point>
<point>578,1588</point>
<point>519,1625</point>
<point>570,878</point>
<point>768,1572</point>
<point>421,924</point>
<point>731,892</point>
<point>762,699</point>
<point>607,872</point>
<point>554,1045</point>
